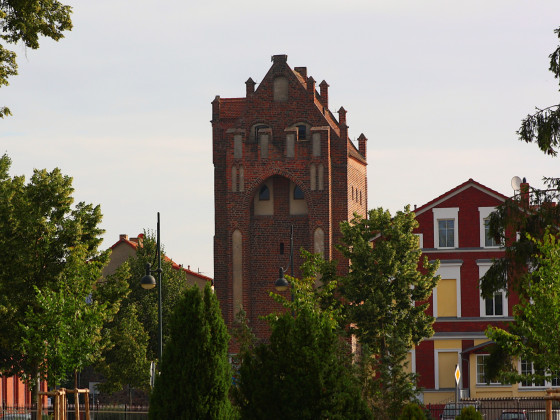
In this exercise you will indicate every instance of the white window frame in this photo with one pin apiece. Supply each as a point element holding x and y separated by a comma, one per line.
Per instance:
<point>449,271</point>
<point>485,213</point>
<point>449,213</point>
<point>483,267</point>
<point>436,365</point>
<point>546,384</point>
<point>476,373</point>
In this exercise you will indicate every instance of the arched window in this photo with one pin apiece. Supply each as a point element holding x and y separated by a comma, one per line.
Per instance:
<point>298,193</point>
<point>264,193</point>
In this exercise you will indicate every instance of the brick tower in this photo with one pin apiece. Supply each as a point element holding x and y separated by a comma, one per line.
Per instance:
<point>281,159</point>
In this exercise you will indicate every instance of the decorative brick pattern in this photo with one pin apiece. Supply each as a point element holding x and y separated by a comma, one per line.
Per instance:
<point>328,199</point>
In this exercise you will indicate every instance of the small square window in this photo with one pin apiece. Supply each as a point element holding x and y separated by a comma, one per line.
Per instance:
<point>446,229</point>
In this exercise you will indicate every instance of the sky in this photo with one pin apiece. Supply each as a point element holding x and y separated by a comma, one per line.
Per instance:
<point>122,103</point>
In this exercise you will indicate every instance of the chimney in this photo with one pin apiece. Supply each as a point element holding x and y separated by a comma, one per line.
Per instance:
<point>279,59</point>
<point>362,143</point>
<point>249,87</point>
<point>324,93</point>
<point>302,71</point>
<point>525,192</point>
<point>123,237</point>
<point>311,86</point>
<point>216,108</point>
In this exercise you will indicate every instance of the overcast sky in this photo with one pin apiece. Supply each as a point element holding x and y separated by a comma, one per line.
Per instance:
<point>122,103</point>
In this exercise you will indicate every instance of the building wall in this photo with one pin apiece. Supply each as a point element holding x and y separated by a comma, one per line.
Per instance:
<point>456,303</point>
<point>281,135</point>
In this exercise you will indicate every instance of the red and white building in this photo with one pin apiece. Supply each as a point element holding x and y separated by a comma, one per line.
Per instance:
<point>453,230</point>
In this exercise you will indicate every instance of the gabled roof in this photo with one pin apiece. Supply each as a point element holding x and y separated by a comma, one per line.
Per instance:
<point>457,190</point>
<point>135,242</point>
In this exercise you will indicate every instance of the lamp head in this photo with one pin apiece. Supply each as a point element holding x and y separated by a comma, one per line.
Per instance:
<point>148,281</point>
<point>281,285</point>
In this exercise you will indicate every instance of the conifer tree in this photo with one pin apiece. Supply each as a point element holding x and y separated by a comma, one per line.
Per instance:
<point>195,373</point>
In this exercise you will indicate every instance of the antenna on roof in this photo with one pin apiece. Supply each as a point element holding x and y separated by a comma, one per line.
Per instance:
<point>516,183</point>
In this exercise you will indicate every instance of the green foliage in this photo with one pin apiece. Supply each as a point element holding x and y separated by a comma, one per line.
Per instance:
<point>305,371</point>
<point>45,242</point>
<point>536,315</point>
<point>543,127</point>
<point>174,282</point>
<point>469,413</point>
<point>386,294</point>
<point>124,362</point>
<point>195,373</point>
<point>63,329</point>
<point>25,22</point>
<point>412,411</point>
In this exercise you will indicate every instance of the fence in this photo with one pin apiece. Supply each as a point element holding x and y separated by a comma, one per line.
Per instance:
<point>97,412</point>
<point>533,408</point>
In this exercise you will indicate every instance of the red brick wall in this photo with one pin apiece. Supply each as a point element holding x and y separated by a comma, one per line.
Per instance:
<point>262,235</point>
<point>425,364</point>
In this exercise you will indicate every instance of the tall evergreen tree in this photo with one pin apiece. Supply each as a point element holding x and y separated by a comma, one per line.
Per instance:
<point>386,292</point>
<point>195,373</point>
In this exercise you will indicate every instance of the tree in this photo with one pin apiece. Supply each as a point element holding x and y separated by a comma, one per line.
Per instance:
<point>386,292</point>
<point>125,362</point>
<point>469,413</point>
<point>174,283</point>
<point>305,371</point>
<point>25,21</point>
<point>44,243</point>
<point>63,329</point>
<point>412,411</point>
<point>195,373</point>
<point>537,314</point>
<point>524,216</point>
<point>543,127</point>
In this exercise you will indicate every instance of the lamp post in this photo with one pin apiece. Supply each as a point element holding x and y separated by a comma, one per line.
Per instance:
<point>282,284</point>
<point>149,282</point>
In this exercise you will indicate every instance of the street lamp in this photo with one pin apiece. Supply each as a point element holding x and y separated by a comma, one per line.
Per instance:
<point>282,284</point>
<point>149,282</point>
